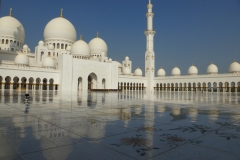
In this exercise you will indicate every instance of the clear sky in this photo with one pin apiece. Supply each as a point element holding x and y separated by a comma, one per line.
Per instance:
<point>188,31</point>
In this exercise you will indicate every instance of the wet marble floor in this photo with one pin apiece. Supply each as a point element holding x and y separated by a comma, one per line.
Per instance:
<point>125,125</point>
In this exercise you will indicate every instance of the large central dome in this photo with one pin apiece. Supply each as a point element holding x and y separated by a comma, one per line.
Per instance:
<point>10,26</point>
<point>60,29</point>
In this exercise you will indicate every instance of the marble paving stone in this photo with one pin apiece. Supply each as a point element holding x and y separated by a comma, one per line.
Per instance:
<point>95,130</point>
<point>29,142</point>
<point>189,152</point>
<point>141,145</point>
<point>14,157</point>
<point>223,140</point>
<point>7,150</point>
<point>120,125</point>
<point>85,150</point>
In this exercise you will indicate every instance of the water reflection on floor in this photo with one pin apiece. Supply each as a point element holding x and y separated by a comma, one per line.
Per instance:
<point>119,125</point>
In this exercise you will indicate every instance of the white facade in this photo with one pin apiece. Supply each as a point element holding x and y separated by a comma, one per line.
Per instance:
<point>60,61</point>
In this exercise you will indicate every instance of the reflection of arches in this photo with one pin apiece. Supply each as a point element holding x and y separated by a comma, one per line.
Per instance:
<point>104,83</point>
<point>15,83</point>
<point>7,82</point>
<point>92,81</point>
<point>44,84</point>
<point>80,83</point>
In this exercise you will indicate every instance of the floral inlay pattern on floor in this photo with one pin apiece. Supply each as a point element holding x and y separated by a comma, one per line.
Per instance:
<point>140,144</point>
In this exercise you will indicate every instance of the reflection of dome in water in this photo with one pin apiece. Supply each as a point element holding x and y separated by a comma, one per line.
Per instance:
<point>176,111</point>
<point>62,154</point>
<point>161,109</point>
<point>138,110</point>
<point>193,113</point>
<point>96,130</point>
<point>213,115</point>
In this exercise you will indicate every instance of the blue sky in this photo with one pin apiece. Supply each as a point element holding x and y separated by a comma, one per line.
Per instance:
<point>188,31</point>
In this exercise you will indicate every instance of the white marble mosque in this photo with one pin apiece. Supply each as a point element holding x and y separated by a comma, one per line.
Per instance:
<point>61,62</point>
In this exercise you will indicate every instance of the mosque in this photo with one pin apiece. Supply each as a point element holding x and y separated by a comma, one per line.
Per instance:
<point>61,62</point>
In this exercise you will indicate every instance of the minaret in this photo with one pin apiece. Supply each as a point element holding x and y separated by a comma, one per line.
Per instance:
<point>150,55</point>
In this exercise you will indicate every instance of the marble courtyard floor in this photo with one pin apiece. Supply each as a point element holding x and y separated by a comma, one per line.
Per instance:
<point>119,125</point>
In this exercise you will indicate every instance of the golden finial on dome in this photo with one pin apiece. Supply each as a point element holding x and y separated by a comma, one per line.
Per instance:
<point>61,12</point>
<point>97,35</point>
<point>235,60</point>
<point>192,64</point>
<point>10,14</point>
<point>80,37</point>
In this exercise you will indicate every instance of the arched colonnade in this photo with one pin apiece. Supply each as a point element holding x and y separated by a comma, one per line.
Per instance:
<point>204,87</point>
<point>130,86</point>
<point>23,83</point>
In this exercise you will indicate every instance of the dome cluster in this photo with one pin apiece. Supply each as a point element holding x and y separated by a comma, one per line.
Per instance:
<point>211,70</point>
<point>62,34</point>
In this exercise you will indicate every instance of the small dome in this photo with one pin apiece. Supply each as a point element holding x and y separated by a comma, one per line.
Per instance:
<point>192,70</point>
<point>40,43</point>
<point>212,69</point>
<point>161,73</point>
<point>110,60</point>
<point>48,62</point>
<point>138,72</point>
<point>126,71</point>
<point>127,58</point>
<point>60,29</point>
<point>21,59</point>
<point>97,45</point>
<point>50,47</point>
<point>11,27</point>
<point>234,67</point>
<point>69,48</point>
<point>25,46</point>
<point>176,71</point>
<point>80,48</point>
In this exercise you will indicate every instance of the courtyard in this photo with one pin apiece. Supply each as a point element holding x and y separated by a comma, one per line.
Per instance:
<point>119,125</point>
